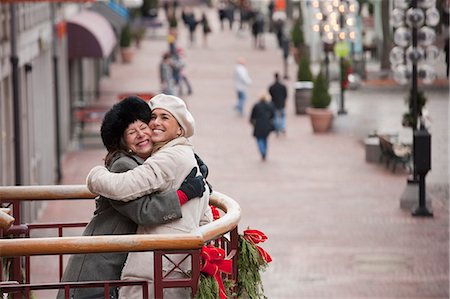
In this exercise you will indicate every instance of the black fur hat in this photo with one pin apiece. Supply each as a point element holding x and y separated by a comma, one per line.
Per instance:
<point>118,118</point>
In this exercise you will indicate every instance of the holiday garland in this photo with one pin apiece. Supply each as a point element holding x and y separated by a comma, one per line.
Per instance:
<point>252,260</point>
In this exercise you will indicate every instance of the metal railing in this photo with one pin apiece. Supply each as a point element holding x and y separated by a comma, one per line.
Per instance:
<point>17,243</point>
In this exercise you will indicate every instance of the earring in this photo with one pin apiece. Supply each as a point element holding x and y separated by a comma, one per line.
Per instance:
<point>130,151</point>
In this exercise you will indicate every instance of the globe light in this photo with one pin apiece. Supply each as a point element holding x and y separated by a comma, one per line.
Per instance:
<point>413,55</point>
<point>328,37</point>
<point>353,7</point>
<point>426,36</point>
<point>415,17</point>
<point>426,3</point>
<point>342,7</point>
<point>432,17</point>
<point>350,21</point>
<point>427,73</point>
<point>319,16</point>
<point>402,37</point>
<point>432,53</point>
<point>402,4</point>
<point>315,4</point>
<point>402,74</point>
<point>397,18</point>
<point>396,56</point>
<point>352,35</point>
<point>327,9</point>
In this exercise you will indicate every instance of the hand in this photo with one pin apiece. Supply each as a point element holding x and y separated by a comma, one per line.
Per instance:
<point>202,166</point>
<point>193,186</point>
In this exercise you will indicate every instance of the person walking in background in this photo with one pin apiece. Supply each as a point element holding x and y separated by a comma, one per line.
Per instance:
<point>179,66</point>
<point>190,21</point>
<point>286,48</point>
<point>278,92</point>
<point>241,81</point>
<point>261,118</point>
<point>166,75</point>
<point>447,55</point>
<point>206,29</point>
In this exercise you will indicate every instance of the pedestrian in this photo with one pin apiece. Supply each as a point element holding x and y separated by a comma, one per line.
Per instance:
<point>229,13</point>
<point>447,55</point>
<point>179,69</point>
<point>278,92</point>
<point>258,31</point>
<point>171,160</point>
<point>206,29</point>
<point>241,82</point>
<point>261,118</point>
<point>221,10</point>
<point>126,136</point>
<point>191,23</point>
<point>166,75</point>
<point>286,48</point>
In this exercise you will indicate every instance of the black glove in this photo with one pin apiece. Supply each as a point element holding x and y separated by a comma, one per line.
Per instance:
<point>193,186</point>
<point>202,166</point>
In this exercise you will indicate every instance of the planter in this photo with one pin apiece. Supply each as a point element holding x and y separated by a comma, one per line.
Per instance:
<point>302,96</point>
<point>321,119</point>
<point>126,54</point>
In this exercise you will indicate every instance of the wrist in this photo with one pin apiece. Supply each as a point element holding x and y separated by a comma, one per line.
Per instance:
<point>182,197</point>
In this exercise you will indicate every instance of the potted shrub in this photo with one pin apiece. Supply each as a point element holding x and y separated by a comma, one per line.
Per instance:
<point>125,44</point>
<point>304,85</point>
<point>321,117</point>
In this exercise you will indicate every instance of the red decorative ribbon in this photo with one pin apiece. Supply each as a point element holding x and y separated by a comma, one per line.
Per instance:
<point>214,264</point>
<point>255,237</point>
<point>215,212</point>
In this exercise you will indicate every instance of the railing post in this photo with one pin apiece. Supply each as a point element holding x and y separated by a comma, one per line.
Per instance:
<point>234,240</point>
<point>158,272</point>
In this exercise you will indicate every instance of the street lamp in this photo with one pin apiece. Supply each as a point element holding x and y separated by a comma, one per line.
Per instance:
<point>335,21</point>
<point>410,61</point>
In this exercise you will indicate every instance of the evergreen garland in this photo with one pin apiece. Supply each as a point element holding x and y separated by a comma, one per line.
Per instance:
<point>250,263</point>
<point>207,288</point>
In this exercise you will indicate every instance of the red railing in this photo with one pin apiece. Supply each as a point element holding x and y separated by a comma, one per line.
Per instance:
<point>18,246</point>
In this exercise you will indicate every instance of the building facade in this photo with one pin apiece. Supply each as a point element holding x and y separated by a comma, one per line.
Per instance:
<point>48,69</point>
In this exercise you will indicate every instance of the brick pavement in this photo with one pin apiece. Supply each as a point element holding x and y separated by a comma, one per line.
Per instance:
<point>333,221</point>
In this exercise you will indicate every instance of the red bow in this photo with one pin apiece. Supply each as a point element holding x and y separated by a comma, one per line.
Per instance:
<point>214,264</point>
<point>255,236</point>
<point>215,212</point>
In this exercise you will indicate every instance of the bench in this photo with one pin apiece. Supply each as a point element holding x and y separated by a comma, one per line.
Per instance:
<point>394,153</point>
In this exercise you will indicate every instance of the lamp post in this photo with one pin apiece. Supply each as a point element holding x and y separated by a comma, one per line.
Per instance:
<point>414,35</point>
<point>335,21</point>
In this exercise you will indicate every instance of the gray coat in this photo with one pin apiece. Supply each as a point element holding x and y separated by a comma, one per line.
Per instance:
<point>117,218</point>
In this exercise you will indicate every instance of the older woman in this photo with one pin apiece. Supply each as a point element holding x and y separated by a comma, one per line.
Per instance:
<point>172,158</point>
<point>127,137</point>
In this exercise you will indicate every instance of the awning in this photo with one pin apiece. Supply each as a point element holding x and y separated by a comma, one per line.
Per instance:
<point>116,15</point>
<point>89,36</point>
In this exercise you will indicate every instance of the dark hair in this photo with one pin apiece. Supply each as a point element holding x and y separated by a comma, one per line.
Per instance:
<point>277,76</point>
<point>117,119</point>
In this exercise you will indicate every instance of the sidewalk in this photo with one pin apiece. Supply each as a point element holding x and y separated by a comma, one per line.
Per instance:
<point>334,224</point>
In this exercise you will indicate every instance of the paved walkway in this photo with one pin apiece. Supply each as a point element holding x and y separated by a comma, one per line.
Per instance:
<point>333,220</point>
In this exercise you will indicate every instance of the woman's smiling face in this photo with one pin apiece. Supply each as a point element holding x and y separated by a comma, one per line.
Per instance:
<point>137,137</point>
<point>164,126</point>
